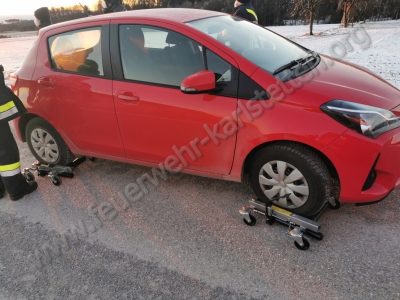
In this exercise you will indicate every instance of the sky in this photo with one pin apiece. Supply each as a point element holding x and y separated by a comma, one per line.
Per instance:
<point>27,7</point>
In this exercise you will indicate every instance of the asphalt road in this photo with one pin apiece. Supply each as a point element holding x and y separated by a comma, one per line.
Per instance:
<point>185,240</point>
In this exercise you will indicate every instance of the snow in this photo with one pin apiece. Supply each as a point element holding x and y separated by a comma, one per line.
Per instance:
<point>374,45</point>
<point>292,32</point>
<point>13,52</point>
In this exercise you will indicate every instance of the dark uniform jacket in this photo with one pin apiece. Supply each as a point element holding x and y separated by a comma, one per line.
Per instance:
<point>246,11</point>
<point>10,105</point>
<point>116,6</point>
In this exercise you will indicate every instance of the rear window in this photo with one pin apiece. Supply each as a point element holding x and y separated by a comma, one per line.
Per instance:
<point>77,51</point>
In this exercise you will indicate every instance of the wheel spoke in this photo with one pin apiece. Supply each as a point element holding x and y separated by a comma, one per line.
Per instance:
<point>47,156</point>
<point>301,189</point>
<point>265,181</point>
<point>268,169</point>
<point>272,192</point>
<point>295,175</point>
<point>40,134</point>
<point>48,138</point>
<point>296,200</point>
<point>40,152</point>
<point>281,170</point>
<point>53,147</point>
<point>283,202</point>
<point>36,144</point>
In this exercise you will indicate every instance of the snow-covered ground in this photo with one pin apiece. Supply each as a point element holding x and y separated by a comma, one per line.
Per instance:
<point>13,52</point>
<point>292,32</point>
<point>16,34</point>
<point>374,45</point>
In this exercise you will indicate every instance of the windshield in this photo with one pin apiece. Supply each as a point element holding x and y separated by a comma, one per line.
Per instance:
<point>259,45</point>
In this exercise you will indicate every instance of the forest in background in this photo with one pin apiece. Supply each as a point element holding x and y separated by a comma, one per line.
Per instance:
<point>270,12</point>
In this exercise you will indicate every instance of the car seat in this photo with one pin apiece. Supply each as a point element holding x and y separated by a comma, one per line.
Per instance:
<point>136,63</point>
<point>181,56</point>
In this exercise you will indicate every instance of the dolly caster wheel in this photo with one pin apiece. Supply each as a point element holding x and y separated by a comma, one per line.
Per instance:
<point>42,174</point>
<point>270,220</point>
<point>319,236</point>
<point>29,176</point>
<point>333,203</point>
<point>306,243</point>
<point>56,180</point>
<point>68,175</point>
<point>252,222</point>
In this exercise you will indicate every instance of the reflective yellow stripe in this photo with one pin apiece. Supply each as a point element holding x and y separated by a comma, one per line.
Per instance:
<point>8,113</point>
<point>252,12</point>
<point>11,167</point>
<point>7,106</point>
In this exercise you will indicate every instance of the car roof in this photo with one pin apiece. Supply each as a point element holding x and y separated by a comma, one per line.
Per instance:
<point>179,15</point>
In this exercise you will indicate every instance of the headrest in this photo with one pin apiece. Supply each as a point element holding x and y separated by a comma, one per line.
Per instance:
<point>135,34</point>
<point>173,38</point>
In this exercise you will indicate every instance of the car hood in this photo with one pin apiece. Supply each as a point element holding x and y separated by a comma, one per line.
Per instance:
<point>335,79</point>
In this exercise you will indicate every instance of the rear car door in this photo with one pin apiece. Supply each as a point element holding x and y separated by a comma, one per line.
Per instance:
<point>73,85</point>
<point>156,119</point>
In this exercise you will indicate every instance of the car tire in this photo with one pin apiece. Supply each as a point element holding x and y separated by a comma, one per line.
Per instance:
<point>306,184</point>
<point>46,144</point>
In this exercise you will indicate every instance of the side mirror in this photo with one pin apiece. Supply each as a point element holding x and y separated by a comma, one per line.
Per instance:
<point>200,82</point>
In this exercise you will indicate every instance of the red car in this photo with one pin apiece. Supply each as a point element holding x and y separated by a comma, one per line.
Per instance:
<point>209,94</point>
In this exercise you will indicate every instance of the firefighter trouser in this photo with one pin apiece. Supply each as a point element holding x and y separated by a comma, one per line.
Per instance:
<point>10,167</point>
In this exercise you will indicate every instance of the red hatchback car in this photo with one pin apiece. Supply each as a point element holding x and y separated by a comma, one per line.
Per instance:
<point>209,94</point>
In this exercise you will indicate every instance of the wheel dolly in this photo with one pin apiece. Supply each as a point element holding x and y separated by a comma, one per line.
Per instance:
<point>54,172</point>
<point>298,225</point>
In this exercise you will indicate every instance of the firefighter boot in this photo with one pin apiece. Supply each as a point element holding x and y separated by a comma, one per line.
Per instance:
<point>18,187</point>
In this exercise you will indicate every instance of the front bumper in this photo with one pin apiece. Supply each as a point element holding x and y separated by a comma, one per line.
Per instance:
<point>353,156</point>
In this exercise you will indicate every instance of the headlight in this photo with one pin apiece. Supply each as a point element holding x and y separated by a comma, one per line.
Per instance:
<point>367,120</point>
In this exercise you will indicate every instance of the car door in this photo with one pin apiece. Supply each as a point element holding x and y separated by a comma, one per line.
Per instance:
<point>73,86</point>
<point>156,119</point>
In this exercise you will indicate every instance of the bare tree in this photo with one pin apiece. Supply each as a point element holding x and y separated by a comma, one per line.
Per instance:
<point>306,9</point>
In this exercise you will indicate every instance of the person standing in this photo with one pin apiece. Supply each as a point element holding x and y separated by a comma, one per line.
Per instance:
<point>11,178</point>
<point>245,10</point>
<point>42,17</point>
<point>111,6</point>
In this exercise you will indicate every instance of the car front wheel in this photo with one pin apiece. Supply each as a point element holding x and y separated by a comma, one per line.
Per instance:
<point>46,144</point>
<point>291,176</point>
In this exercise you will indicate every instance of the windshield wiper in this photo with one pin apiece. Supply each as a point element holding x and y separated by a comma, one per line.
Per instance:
<point>304,60</point>
<point>287,66</point>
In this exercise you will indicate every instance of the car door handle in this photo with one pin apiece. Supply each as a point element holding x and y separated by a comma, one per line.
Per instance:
<point>47,82</point>
<point>128,97</point>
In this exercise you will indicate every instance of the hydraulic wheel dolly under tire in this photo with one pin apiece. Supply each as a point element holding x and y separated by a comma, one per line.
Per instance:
<point>54,172</point>
<point>298,226</point>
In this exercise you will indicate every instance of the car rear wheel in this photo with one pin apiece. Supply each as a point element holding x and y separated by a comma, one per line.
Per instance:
<point>46,144</point>
<point>291,176</point>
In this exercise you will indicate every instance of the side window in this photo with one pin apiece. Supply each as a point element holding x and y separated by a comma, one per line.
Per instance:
<point>226,75</point>
<point>221,68</point>
<point>77,51</point>
<point>156,55</point>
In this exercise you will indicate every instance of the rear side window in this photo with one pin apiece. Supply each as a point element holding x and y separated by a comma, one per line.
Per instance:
<point>77,51</point>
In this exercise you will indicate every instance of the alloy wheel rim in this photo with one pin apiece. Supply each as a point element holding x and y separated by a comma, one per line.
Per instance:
<point>45,145</point>
<point>283,184</point>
